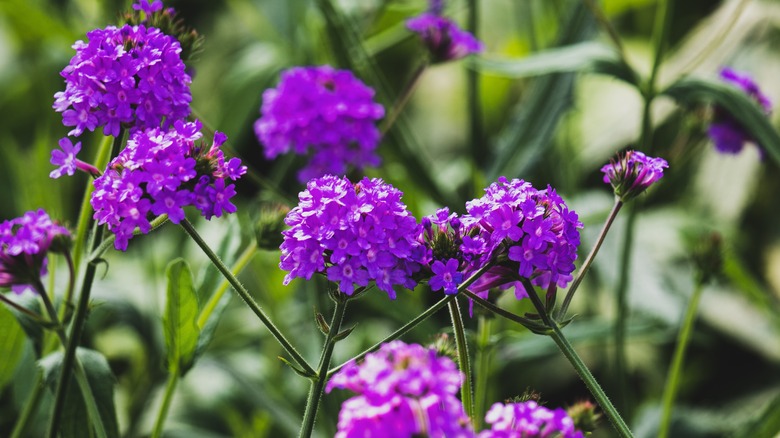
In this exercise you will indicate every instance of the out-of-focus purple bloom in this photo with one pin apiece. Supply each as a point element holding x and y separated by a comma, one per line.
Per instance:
<point>24,243</point>
<point>533,228</point>
<point>148,8</point>
<point>355,233</point>
<point>326,112</point>
<point>402,391</point>
<point>528,420</point>
<point>161,171</point>
<point>726,132</point>
<point>443,38</point>
<point>632,173</point>
<point>130,77</point>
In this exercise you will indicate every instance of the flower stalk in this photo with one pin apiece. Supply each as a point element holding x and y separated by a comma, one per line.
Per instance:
<point>464,362</point>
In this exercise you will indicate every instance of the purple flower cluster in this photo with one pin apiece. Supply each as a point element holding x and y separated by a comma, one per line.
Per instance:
<point>632,173</point>
<point>131,76</point>
<point>355,233</point>
<point>528,420</point>
<point>24,243</point>
<point>161,171</point>
<point>534,229</point>
<point>325,111</point>
<point>443,38</point>
<point>148,8</point>
<point>403,391</point>
<point>725,131</point>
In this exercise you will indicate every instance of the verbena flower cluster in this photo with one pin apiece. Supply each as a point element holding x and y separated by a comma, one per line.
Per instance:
<point>131,76</point>
<point>354,233</point>
<point>528,420</point>
<point>161,171</point>
<point>323,111</point>
<point>632,173</point>
<point>24,244</point>
<point>534,229</point>
<point>404,390</point>
<point>442,37</point>
<point>726,132</point>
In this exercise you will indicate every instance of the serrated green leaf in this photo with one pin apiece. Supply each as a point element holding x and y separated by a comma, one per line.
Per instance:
<point>747,112</point>
<point>101,381</point>
<point>11,345</point>
<point>180,318</point>
<point>588,56</point>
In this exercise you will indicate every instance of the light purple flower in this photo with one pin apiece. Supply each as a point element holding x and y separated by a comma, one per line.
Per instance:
<point>726,132</point>
<point>528,420</point>
<point>148,8</point>
<point>65,158</point>
<point>327,113</point>
<point>632,173</point>
<point>356,233</point>
<point>443,38</point>
<point>402,391</point>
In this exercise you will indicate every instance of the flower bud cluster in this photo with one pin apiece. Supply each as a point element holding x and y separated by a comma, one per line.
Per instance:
<point>443,38</point>
<point>632,173</point>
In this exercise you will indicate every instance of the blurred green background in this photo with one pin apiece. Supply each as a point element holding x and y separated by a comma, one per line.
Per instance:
<point>556,129</point>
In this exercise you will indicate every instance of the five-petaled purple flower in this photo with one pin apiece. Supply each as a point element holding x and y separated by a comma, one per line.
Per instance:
<point>161,171</point>
<point>404,390</point>
<point>130,77</point>
<point>443,38</point>
<point>533,228</point>
<point>24,244</point>
<point>354,233</point>
<point>528,420</point>
<point>323,111</point>
<point>632,173</point>
<point>726,132</point>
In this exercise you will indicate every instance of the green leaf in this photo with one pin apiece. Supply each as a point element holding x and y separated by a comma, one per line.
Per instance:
<point>30,326</point>
<point>747,112</point>
<point>101,382</point>
<point>180,318</point>
<point>765,424</point>
<point>588,56</point>
<point>11,345</point>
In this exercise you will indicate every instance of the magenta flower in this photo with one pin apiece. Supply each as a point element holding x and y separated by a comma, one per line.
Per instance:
<point>402,391</point>
<point>632,173</point>
<point>446,276</point>
<point>326,113</point>
<point>354,233</point>
<point>528,420</point>
<point>726,132</point>
<point>65,158</point>
<point>24,244</point>
<point>443,38</point>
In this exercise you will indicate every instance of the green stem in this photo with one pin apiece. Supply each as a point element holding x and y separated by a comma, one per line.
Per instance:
<point>403,98</point>
<point>420,318</point>
<point>247,297</point>
<point>499,311</point>
<point>473,94</point>
<point>464,361</point>
<point>604,22</point>
<point>239,266</point>
<point>675,369</point>
<point>582,370</point>
<point>621,304</point>
<point>318,384</point>
<point>30,407</point>
<point>103,246</point>
<point>589,260</point>
<point>170,388</point>
<point>663,19</point>
<point>34,316</point>
<point>482,372</point>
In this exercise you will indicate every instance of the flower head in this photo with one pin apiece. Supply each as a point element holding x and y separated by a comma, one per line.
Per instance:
<point>24,243</point>
<point>528,420</point>
<point>129,77</point>
<point>403,390</point>
<point>326,112</point>
<point>632,173</point>
<point>148,8</point>
<point>354,233</point>
<point>726,132</point>
<point>160,172</point>
<point>531,233</point>
<point>443,38</point>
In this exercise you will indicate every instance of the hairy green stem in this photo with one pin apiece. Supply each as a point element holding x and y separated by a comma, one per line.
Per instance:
<point>589,260</point>
<point>582,370</point>
<point>482,371</point>
<point>675,369</point>
<point>247,297</point>
<point>239,266</point>
<point>420,318</point>
<point>170,388</point>
<point>318,384</point>
<point>464,362</point>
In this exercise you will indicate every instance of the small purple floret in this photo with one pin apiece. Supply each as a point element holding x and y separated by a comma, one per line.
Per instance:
<point>65,158</point>
<point>326,112</point>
